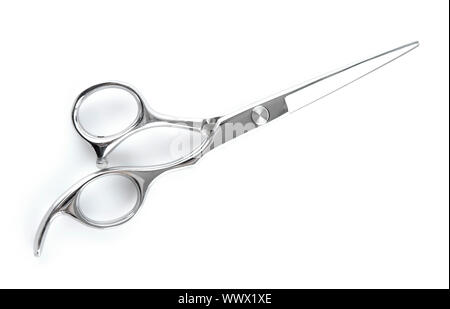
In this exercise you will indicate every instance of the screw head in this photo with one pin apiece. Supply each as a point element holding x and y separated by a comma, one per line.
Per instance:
<point>260,115</point>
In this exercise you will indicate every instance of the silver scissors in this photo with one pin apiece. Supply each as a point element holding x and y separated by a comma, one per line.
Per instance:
<point>213,132</point>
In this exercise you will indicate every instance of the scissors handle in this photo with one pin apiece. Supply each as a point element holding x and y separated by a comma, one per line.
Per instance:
<point>145,118</point>
<point>69,202</point>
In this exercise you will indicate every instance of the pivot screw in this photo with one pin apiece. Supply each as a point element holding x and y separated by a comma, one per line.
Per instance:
<point>260,115</point>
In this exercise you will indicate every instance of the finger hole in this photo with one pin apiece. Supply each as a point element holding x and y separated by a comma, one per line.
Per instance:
<point>107,199</point>
<point>108,111</point>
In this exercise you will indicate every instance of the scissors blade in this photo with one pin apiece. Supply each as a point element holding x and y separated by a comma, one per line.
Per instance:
<point>322,86</point>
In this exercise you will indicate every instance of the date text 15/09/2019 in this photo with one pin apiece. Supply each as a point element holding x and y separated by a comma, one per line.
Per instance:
<point>227,298</point>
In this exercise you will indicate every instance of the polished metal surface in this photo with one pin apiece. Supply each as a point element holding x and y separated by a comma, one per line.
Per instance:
<point>213,131</point>
<point>260,115</point>
<point>146,118</point>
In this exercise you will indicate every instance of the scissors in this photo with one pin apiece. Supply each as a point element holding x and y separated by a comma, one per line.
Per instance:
<point>213,131</point>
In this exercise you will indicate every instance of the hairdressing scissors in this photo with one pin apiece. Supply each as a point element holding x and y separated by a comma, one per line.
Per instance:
<point>213,132</point>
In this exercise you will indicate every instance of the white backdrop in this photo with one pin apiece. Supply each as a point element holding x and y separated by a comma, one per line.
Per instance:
<point>351,192</point>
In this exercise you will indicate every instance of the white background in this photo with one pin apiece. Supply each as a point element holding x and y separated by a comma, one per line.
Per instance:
<point>351,192</point>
